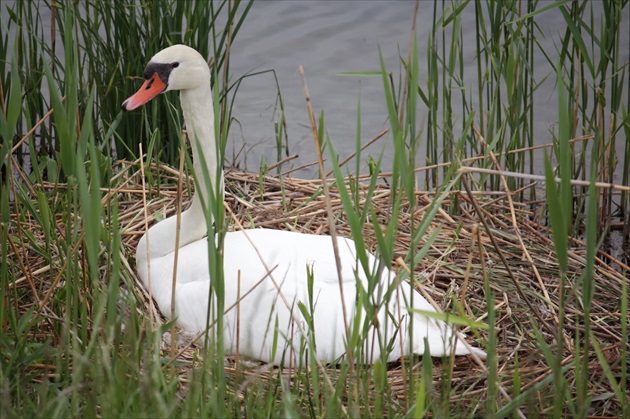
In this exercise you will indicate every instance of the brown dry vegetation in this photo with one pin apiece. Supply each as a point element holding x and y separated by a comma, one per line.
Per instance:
<point>519,264</point>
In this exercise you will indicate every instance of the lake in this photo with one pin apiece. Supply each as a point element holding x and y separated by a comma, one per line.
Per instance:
<point>328,38</point>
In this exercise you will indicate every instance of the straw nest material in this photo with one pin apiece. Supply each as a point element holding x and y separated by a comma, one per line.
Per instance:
<point>479,236</point>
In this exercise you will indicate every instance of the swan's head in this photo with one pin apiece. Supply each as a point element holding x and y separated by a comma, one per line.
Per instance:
<point>174,68</point>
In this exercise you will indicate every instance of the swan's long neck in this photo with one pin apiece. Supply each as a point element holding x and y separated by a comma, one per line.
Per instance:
<point>199,118</point>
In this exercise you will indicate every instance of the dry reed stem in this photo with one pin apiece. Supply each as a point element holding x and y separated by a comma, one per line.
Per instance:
<point>474,159</point>
<point>515,227</point>
<point>331,227</point>
<point>574,182</point>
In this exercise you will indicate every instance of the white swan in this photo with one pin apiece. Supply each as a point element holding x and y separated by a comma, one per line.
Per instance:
<point>287,254</point>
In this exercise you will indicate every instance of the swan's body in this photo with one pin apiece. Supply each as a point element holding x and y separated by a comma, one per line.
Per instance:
<point>262,259</point>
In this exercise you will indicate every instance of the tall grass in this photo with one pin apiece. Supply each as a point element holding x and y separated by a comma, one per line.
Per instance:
<point>114,43</point>
<point>77,338</point>
<point>502,103</point>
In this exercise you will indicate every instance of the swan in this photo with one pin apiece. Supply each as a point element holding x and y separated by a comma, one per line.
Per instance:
<point>270,323</point>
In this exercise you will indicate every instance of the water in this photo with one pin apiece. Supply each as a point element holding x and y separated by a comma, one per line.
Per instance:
<point>326,38</point>
<point>329,38</point>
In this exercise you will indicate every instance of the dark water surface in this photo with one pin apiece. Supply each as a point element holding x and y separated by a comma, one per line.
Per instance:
<point>332,37</point>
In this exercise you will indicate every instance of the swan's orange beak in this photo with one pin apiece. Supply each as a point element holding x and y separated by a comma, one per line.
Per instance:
<point>150,89</point>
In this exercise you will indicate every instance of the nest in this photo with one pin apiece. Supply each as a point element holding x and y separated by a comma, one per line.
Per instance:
<point>486,250</point>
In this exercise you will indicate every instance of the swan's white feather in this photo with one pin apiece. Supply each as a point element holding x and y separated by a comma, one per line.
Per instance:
<point>261,256</point>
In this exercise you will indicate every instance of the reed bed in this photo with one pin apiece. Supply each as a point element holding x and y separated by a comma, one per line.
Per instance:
<point>453,273</point>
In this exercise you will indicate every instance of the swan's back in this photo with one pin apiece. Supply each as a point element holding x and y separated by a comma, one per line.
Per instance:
<point>264,317</point>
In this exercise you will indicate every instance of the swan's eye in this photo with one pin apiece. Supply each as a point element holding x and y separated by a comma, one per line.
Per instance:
<point>174,65</point>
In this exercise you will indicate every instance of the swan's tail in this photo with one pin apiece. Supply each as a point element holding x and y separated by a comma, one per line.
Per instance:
<point>465,348</point>
<point>441,338</point>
